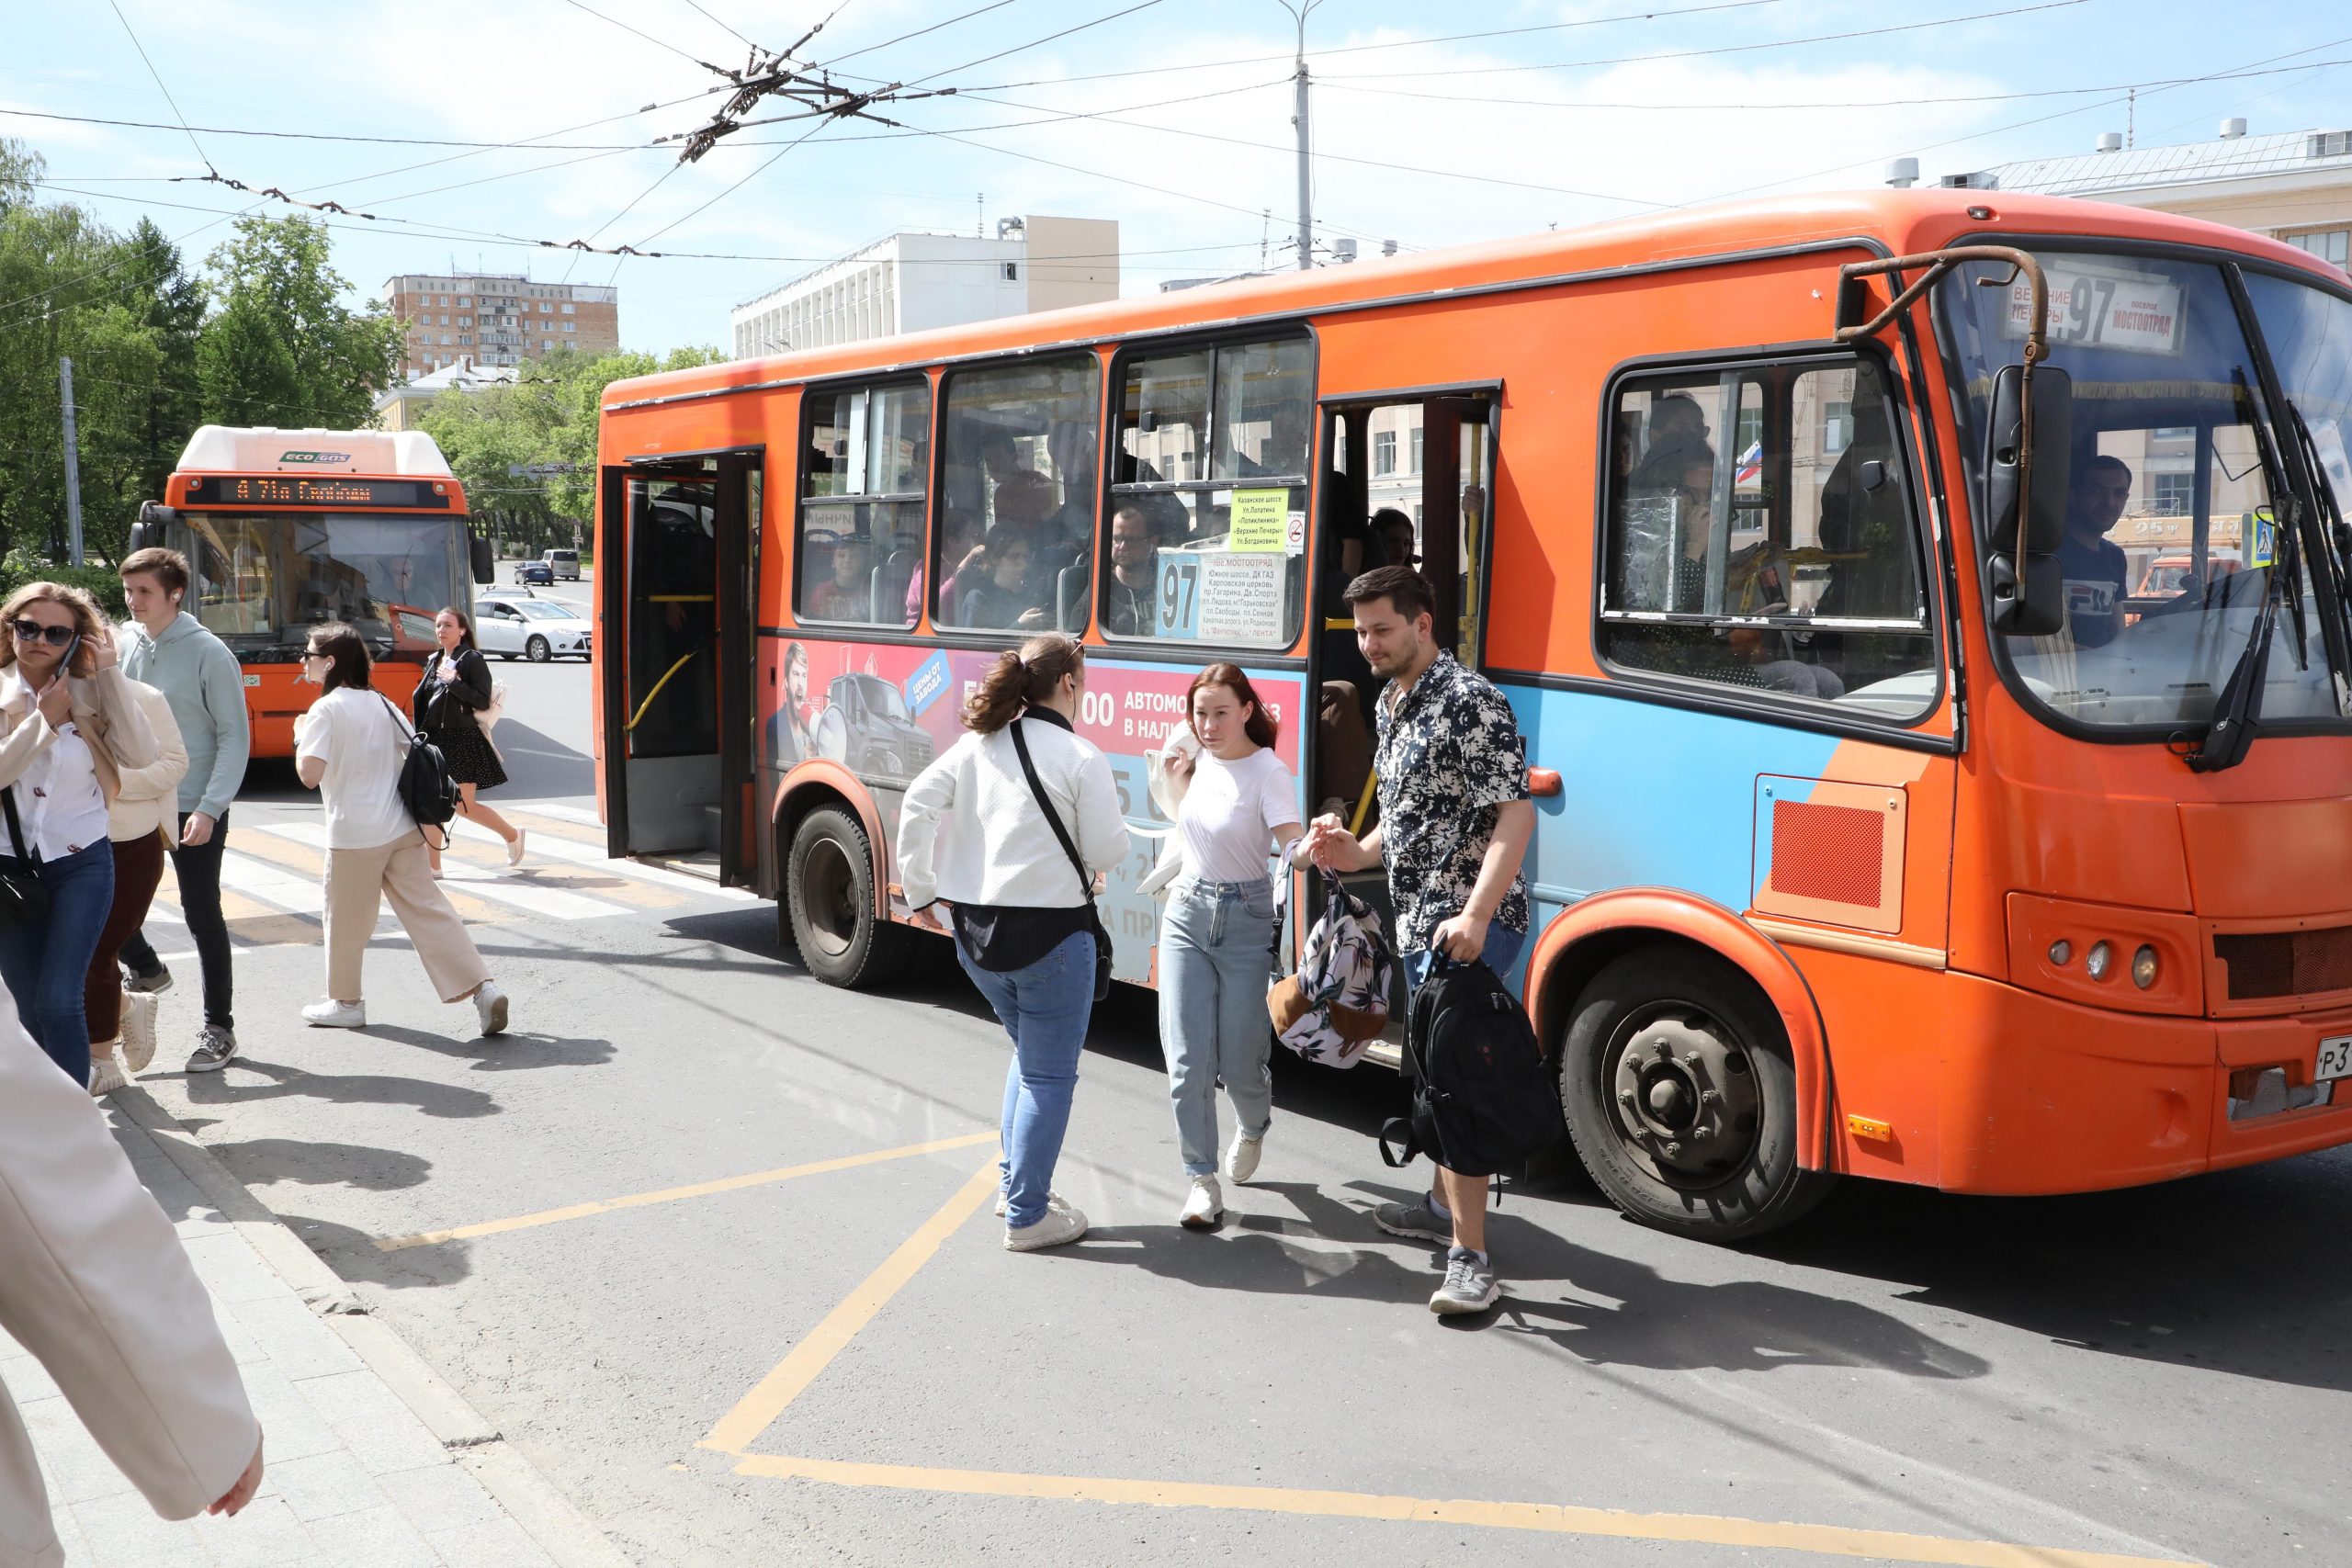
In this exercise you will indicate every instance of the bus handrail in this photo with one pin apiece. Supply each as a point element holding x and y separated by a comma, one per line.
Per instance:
<point>1939,263</point>
<point>681,664</point>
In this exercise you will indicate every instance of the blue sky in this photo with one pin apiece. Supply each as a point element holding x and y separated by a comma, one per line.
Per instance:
<point>1173,118</point>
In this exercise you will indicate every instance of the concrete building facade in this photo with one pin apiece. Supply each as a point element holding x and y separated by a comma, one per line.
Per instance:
<point>917,279</point>
<point>492,319</point>
<point>397,407</point>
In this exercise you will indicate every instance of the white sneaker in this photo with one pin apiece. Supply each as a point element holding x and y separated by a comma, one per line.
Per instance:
<point>105,1076</point>
<point>1058,1227</point>
<point>490,1006</point>
<point>1203,1206</point>
<point>332,1014</point>
<point>1053,1200</point>
<point>139,1010</point>
<point>1242,1157</point>
<point>515,850</point>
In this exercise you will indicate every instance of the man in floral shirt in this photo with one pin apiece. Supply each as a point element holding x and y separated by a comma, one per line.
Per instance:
<point>1455,821</point>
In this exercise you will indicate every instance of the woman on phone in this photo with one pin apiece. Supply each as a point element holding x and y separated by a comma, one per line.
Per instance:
<point>450,697</point>
<point>350,746</point>
<point>68,727</point>
<point>974,834</point>
<point>1236,808</point>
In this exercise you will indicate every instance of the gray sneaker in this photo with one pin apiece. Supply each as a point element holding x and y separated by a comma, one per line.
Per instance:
<point>153,984</point>
<point>214,1048</point>
<point>1470,1284</point>
<point>1419,1219</point>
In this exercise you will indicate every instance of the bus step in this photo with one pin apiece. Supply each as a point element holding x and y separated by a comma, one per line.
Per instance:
<point>702,864</point>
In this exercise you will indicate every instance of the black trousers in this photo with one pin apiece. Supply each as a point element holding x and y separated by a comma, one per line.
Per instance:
<point>198,871</point>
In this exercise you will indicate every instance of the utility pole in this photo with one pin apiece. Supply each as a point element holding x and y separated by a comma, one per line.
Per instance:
<point>72,466</point>
<point>1305,168</point>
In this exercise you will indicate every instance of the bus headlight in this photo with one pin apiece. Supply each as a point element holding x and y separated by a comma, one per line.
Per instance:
<point>2061,950</point>
<point>2098,961</point>
<point>2143,968</point>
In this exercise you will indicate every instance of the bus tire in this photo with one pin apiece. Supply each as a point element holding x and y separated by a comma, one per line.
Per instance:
<point>537,650</point>
<point>1680,1094</point>
<point>828,894</point>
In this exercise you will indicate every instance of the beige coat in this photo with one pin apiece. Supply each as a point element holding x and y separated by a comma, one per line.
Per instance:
<point>94,1284</point>
<point>104,711</point>
<point>148,800</point>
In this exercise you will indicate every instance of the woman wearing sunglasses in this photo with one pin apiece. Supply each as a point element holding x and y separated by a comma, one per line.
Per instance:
<point>68,728</point>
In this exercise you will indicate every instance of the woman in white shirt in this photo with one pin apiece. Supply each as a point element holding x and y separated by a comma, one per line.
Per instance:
<point>1238,808</point>
<point>974,835</point>
<point>121,1021</point>
<point>350,747</point>
<point>67,727</point>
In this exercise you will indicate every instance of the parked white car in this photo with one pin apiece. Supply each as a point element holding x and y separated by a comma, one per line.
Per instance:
<point>536,629</point>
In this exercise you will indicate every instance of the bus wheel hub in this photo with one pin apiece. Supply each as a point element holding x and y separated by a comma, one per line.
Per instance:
<point>1685,1095</point>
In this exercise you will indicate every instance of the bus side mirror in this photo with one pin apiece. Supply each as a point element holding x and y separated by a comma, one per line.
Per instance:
<point>485,568</point>
<point>148,532</point>
<point>2025,588</point>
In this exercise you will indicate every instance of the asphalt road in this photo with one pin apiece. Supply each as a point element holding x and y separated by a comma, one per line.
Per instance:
<point>759,1363</point>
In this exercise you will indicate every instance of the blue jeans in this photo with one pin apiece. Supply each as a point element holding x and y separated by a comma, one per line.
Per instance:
<point>1045,1007</point>
<point>45,962</point>
<point>1216,956</point>
<point>1501,949</point>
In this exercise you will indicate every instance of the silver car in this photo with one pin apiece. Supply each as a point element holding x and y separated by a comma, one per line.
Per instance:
<point>536,630</point>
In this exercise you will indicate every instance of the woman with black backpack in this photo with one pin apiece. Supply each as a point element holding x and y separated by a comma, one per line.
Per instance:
<point>350,747</point>
<point>451,696</point>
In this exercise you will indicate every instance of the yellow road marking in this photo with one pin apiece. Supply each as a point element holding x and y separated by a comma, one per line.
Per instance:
<point>673,1194</point>
<point>1550,1518</point>
<point>740,1427</point>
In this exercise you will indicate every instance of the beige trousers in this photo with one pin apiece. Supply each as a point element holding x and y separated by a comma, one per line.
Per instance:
<point>358,882</point>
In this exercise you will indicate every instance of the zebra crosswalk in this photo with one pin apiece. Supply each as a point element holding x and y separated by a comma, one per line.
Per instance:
<point>272,893</point>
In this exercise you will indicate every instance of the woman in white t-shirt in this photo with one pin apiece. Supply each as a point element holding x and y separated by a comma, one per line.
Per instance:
<point>350,747</point>
<point>1238,808</point>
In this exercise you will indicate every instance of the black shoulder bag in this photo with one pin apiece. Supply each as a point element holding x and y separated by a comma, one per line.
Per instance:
<point>1085,881</point>
<point>426,788</point>
<point>24,899</point>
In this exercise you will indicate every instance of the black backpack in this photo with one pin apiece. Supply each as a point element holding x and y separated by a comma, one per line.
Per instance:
<point>1482,1096</point>
<point>426,787</point>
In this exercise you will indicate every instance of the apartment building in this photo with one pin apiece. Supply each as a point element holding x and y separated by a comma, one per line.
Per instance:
<point>917,278</point>
<point>492,319</point>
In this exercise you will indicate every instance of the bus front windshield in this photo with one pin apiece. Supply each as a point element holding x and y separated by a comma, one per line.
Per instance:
<point>263,578</point>
<point>2170,538</point>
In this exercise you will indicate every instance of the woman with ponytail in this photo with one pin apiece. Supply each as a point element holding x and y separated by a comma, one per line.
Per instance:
<point>974,836</point>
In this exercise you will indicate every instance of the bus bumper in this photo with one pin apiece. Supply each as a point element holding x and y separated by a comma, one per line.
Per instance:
<point>2044,1096</point>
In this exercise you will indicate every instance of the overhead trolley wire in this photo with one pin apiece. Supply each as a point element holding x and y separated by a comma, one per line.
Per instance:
<point>853,54</point>
<point>159,83</point>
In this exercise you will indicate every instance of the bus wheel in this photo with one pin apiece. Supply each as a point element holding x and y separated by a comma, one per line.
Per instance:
<point>1679,1093</point>
<point>537,650</point>
<point>829,884</point>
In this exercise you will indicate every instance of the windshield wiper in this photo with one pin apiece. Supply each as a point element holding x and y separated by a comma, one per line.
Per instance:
<point>2237,710</point>
<point>2337,560</point>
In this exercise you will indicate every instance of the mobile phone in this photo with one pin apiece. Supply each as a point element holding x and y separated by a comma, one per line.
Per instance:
<point>65,664</point>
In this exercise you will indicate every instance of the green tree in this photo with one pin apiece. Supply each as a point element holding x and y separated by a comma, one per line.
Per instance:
<point>281,348</point>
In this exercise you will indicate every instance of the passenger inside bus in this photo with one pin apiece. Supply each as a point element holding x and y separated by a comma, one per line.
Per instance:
<point>1128,593</point>
<point>2093,564</point>
<point>1677,432</point>
<point>846,594</point>
<point>1001,599</point>
<point>1395,531</point>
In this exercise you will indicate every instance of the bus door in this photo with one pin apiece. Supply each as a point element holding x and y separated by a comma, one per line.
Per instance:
<point>677,583</point>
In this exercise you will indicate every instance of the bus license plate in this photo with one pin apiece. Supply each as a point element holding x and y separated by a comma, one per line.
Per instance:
<point>2335,1059</point>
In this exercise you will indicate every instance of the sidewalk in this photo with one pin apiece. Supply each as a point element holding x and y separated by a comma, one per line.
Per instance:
<point>373,1460</point>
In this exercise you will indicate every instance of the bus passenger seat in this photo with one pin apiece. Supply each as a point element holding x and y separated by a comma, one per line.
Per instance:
<point>1343,749</point>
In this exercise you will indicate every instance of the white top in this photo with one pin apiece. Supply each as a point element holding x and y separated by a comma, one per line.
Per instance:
<point>1230,812</point>
<point>59,800</point>
<point>970,831</point>
<point>363,740</point>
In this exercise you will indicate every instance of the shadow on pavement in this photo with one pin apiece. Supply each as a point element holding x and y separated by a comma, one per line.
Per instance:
<point>515,1051</point>
<point>264,1162</point>
<point>232,1085</point>
<point>353,1255</point>
<point>2215,1271</point>
<point>538,766</point>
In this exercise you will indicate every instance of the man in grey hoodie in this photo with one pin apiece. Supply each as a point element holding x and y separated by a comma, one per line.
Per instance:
<point>169,649</point>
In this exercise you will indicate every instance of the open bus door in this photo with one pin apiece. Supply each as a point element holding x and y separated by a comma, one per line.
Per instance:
<point>675,584</point>
<point>1430,456</point>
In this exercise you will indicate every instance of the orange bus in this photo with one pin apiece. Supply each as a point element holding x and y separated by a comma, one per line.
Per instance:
<point>1875,837</point>
<point>285,528</point>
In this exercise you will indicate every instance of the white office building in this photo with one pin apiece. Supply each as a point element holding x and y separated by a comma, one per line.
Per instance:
<point>917,279</point>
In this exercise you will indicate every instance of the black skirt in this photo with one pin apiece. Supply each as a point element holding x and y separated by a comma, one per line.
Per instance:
<point>470,756</point>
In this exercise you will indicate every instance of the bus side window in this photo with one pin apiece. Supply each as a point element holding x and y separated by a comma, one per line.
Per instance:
<point>864,469</point>
<point>1762,536</point>
<point>1017,491</point>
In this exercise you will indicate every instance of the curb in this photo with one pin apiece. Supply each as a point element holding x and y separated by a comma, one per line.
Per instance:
<point>545,1514</point>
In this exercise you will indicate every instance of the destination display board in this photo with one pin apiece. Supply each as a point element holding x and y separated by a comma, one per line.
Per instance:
<point>301,490</point>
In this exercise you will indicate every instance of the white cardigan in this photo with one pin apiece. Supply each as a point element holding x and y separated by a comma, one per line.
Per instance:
<point>150,797</point>
<point>970,832</point>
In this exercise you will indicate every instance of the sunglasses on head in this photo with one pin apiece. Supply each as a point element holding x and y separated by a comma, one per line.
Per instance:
<point>33,631</point>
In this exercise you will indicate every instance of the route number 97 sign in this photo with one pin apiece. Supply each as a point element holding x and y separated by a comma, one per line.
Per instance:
<point>2094,308</point>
